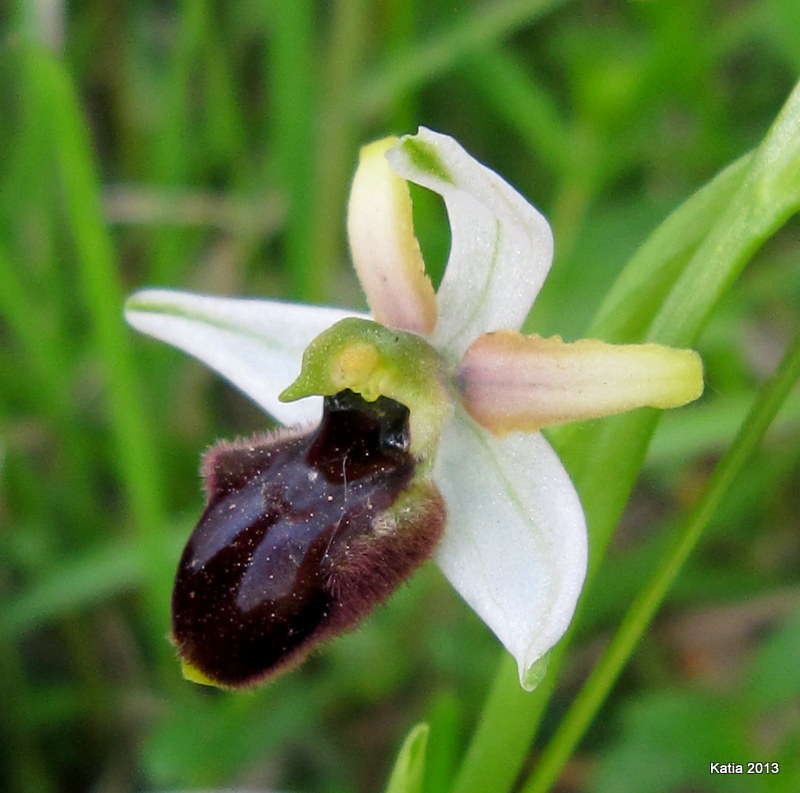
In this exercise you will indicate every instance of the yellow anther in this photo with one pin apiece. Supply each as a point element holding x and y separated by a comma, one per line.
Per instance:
<point>357,367</point>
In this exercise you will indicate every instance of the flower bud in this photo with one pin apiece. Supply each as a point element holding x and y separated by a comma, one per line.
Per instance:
<point>303,534</point>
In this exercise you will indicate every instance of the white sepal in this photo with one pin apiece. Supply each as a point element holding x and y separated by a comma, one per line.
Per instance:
<point>255,344</point>
<point>515,542</point>
<point>501,247</point>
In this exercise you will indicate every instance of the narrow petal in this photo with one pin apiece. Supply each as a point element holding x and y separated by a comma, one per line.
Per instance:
<point>256,344</point>
<point>385,251</point>
<point>515,382</point>
<point>515,539</point>
<point>501,246</point>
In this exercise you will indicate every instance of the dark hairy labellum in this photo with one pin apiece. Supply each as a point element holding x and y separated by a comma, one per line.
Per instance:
<point>302,535</point>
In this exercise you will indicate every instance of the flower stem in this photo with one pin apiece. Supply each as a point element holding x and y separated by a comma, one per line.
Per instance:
<point>640,614</point>
<point>506,729</point>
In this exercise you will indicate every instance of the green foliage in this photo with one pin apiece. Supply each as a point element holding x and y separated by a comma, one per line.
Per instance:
<point>210,146</point>
<point>409,769</point>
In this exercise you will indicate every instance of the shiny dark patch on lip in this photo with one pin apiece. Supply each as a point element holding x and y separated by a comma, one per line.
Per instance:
<point>302,535</point>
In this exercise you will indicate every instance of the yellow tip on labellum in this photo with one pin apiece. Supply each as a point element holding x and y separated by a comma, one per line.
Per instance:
<point>194,675</point>
<point>514,382</point>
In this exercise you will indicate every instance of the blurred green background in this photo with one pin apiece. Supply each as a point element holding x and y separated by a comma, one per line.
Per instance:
<point>209,146</point>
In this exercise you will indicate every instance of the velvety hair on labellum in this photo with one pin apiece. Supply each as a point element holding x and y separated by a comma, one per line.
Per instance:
<point>303,534</point>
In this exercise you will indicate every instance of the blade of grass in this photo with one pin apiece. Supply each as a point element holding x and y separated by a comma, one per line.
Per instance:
<point>334,149</point>
<point>401,18</point>
<point>511,89</point>
<point>225,135</point>
<point>768,196</point>
<point>409,769</point>
<point>633,300</point>
<point>289,69</point>
<point>45,361</point>
<point>504,732</point>
<point>118,566</point>
<point>444,715</point>
<point>487,23</point>
<point>101,292</point>
<point>526,106</point>
<point>172,155</point>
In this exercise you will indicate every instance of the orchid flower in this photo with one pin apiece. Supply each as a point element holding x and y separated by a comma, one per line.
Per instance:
<point>438,395</point>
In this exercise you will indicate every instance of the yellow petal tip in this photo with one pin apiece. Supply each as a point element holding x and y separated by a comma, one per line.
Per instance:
<point>514,382</point>
<point>386,254</point>
<point>194,675</point>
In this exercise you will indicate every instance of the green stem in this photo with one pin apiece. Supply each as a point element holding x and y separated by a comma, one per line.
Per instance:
<point>641,612</point>
<point>506,728</point>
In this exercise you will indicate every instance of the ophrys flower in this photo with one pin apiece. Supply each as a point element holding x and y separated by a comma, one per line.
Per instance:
<point>435,403</point>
